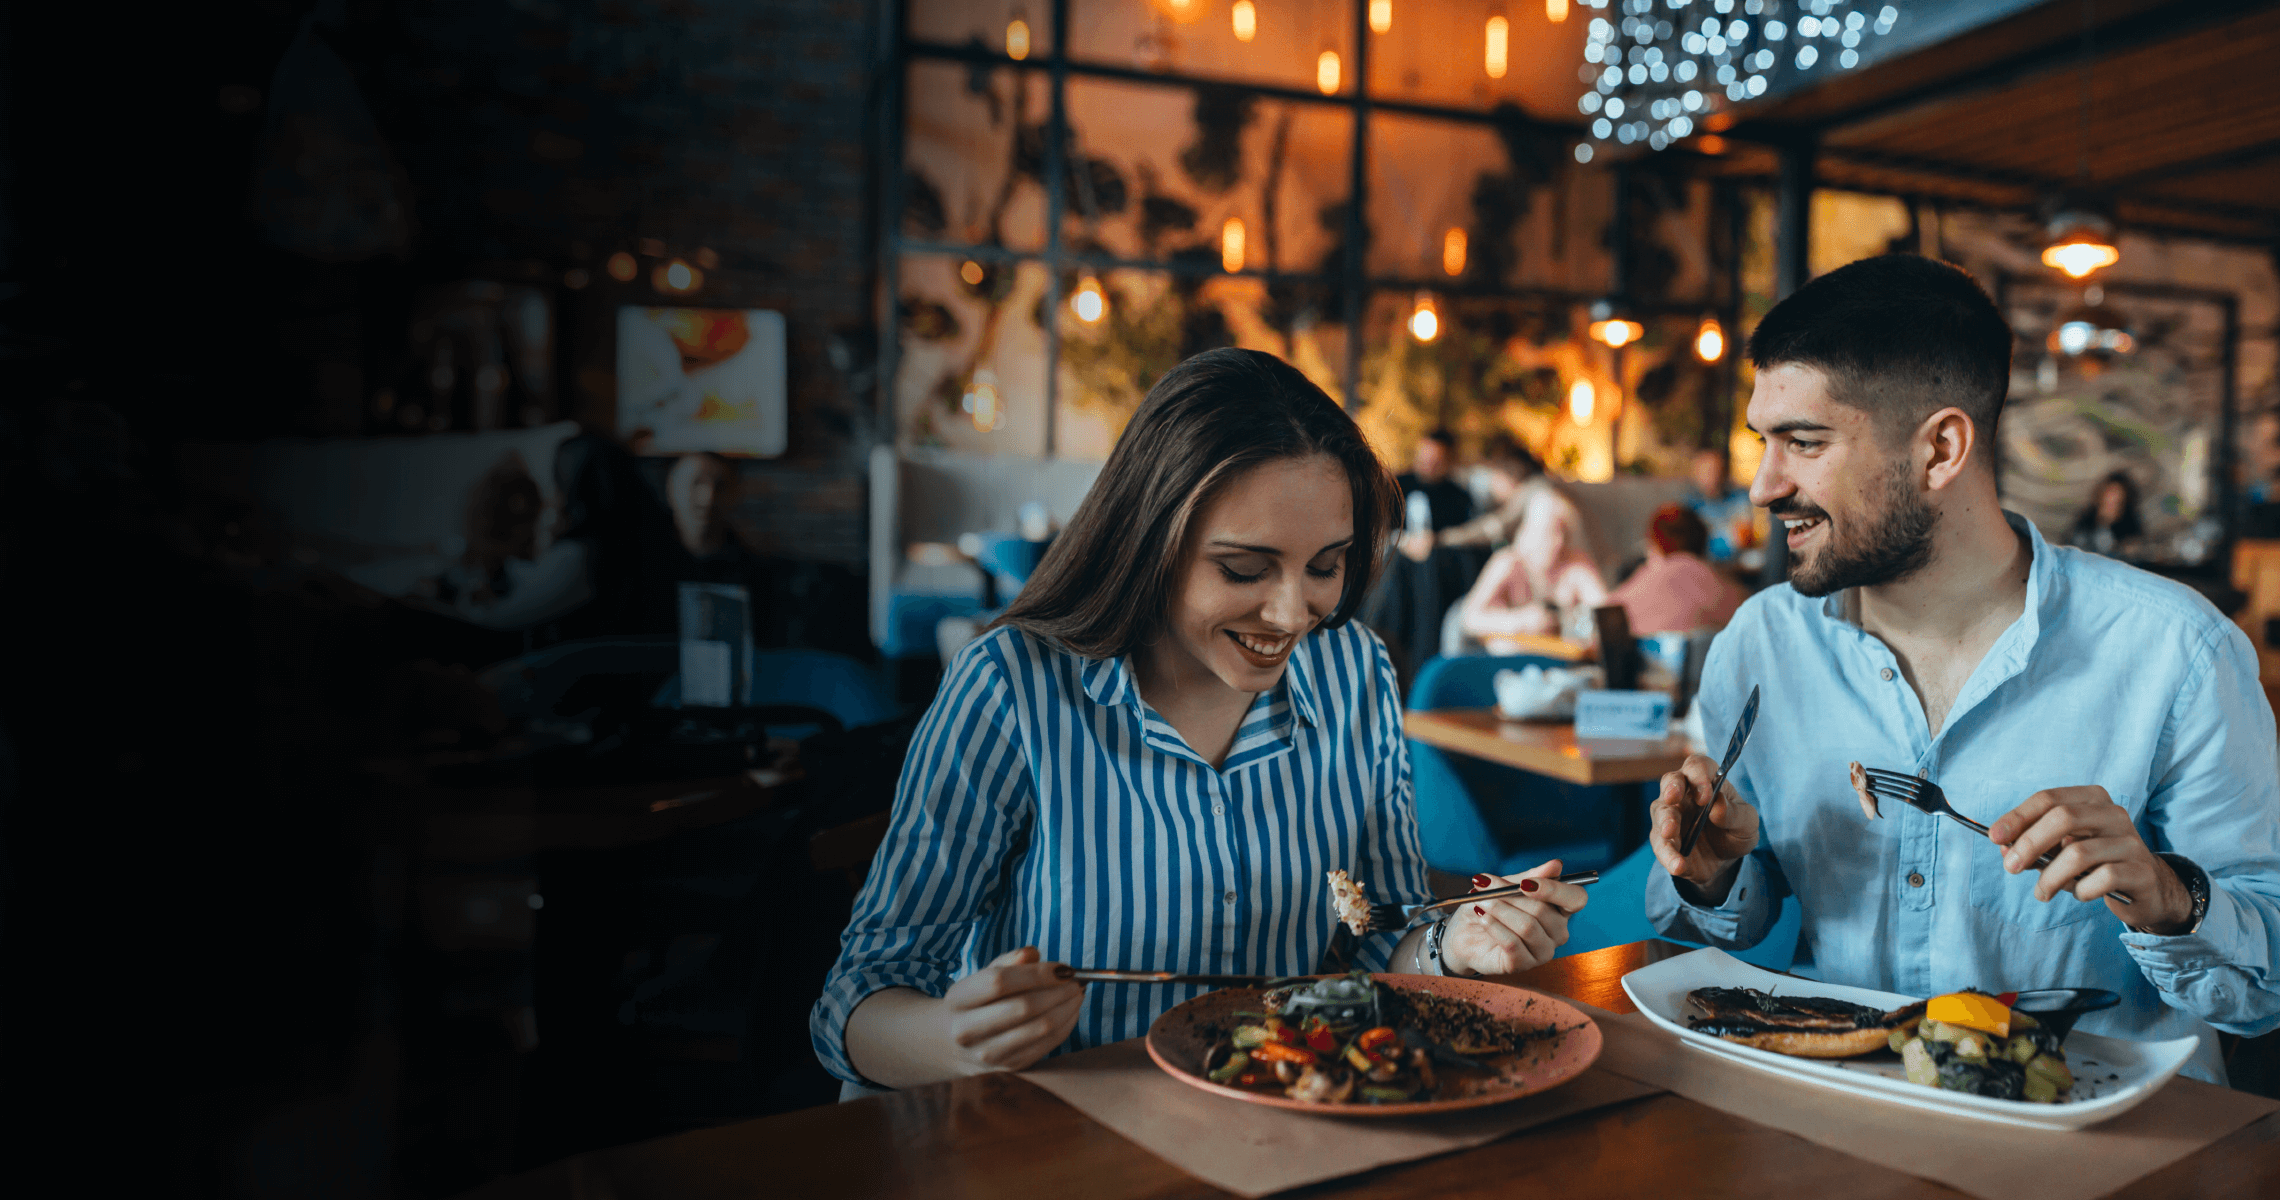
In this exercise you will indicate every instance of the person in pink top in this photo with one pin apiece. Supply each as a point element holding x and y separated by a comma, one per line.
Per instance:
<point>1676,590</point>
<point>1545,582</point>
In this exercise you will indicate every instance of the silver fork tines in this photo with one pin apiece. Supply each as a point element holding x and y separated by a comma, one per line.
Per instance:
<point>1926,796</point>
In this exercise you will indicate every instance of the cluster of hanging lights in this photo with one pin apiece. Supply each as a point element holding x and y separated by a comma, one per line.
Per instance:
<point>1662,67</point>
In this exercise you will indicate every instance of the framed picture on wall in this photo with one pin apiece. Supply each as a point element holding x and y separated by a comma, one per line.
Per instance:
<point>693,379</point>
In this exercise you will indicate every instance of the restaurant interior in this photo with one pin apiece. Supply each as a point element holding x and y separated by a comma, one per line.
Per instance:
<point>465,645</point>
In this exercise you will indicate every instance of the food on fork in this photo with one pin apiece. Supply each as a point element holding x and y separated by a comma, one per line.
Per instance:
<point>1348,901</point>
<point>1804,1026</point>
<point>1859,778</point>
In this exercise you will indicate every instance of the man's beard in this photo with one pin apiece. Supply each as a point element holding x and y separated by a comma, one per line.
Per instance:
<point>1898,545</point>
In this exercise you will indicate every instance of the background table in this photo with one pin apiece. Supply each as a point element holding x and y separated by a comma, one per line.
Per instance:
<point>999,1135</point>
<point>1544,748</point>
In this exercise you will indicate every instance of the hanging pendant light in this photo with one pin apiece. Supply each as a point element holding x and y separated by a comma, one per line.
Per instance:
<point>1710,341</point>
<point>1425,319</point>
<point>2081,228</point>
<point>1612,326</point>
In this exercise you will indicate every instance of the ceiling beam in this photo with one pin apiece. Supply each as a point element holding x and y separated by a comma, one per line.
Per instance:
<point>2127,33</point>
<point>2174,172</point>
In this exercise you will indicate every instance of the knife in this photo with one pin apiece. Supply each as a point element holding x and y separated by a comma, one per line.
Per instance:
<point>1733,751</point>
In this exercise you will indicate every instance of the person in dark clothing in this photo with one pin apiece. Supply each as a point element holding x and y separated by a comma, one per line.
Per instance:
<point>1428,476</point>
<point>622,525</point>
<point>2111,520</point>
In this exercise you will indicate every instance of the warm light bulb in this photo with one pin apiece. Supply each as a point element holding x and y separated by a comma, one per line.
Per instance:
<point>971,273</point>
<point>1181,9</point>
<point>982,402</point>
<point>1453,251</point>
<point>677,277</point>
<point>1246,17</point>
<point>1326,72</point>
<point>1381,15</point>
<point>1580,399</point>
<point>1231,245</point>
<point>1617,332</point>
<point>1089,303</point>
<point>622,267</point>
<point>1017,39</point>
<point>1499,43</point>
<point>1424,320</point>
<point>2080,258</point>
<point>1710,341</point>
<point>1555,11</point>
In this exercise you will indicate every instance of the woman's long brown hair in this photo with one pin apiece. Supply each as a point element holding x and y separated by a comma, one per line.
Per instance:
<point>1104,588</point>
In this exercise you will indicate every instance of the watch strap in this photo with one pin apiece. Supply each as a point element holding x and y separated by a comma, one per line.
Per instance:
<point>2196,883</point>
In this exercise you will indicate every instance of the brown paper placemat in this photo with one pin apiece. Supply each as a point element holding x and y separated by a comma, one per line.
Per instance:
<point>1253,1150</point>
<point>1994,1162</point>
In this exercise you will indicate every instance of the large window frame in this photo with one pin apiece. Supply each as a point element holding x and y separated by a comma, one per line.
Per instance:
<point>1349,275</point>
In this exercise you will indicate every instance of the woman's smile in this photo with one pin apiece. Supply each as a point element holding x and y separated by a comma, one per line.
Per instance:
<point>1264,650</point>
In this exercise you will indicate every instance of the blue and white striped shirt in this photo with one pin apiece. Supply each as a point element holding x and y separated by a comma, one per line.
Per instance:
<point>1045,803</point>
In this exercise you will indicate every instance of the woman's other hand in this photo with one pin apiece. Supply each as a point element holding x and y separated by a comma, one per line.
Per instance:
<point>1514,933</point>
<point>1009,1014</point>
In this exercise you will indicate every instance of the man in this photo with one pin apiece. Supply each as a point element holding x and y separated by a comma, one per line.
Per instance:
<point>1428,477</point>
<point>1724,508</point>
<point>2076,705</point>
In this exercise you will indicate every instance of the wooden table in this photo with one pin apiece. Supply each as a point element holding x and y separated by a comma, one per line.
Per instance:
<point>999,1135</point>
<point>1546,749</point>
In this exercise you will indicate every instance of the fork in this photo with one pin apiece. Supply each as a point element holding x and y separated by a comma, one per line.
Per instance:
<point>1387,917</point>
<point>1926,796</point>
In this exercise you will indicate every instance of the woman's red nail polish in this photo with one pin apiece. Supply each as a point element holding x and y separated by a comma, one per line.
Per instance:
<point>1478,909</point>
<point>1527,885</point>
<point>1481,881</point>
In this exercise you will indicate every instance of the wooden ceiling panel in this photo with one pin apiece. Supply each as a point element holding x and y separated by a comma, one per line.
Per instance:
<point>2222,186</point>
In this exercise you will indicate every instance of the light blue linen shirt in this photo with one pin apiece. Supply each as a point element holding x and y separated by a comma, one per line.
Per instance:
<point>1045,803</point>
<point>2110,676</point>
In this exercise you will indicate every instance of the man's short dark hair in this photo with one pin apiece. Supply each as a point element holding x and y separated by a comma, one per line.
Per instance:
<point>1447,440</point>
<point>1899,337</point>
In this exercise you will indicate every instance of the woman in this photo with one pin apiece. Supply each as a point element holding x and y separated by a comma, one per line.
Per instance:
<point>1153,758</point>
<point>1676,590</point>
<point>1545,582</point>
<point>2111,521</point>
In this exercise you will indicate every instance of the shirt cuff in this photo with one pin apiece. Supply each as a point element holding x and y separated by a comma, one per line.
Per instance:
<point>2166,959</point>
<point>827,1024</point>
<point>1720,924</point>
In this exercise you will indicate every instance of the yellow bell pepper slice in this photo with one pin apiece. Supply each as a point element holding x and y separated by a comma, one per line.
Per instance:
<point>1971,1010</point>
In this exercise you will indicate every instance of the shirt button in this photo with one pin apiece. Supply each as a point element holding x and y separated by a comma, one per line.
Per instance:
<point>1218,810</point>
<point>1887,674</point>
<point>1229,897</point>
<point>1915,879</point>
<point>1924,773</point>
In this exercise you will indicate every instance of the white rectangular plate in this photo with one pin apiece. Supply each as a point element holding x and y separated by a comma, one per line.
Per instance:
<point>2111,1075</point>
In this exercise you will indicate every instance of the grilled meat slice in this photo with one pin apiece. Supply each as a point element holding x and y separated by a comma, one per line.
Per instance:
<point>1806,1026</point>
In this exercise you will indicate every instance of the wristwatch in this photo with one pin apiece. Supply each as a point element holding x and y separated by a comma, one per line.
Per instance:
<point>2196,883</point>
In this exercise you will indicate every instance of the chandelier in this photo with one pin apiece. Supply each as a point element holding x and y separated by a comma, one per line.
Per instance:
<point>1661,66</point>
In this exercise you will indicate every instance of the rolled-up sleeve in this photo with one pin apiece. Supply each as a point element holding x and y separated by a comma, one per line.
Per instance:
<point>1748,913</point>
<point>1393,859</point>
<point>962,805</point>
<point>2217,802</point>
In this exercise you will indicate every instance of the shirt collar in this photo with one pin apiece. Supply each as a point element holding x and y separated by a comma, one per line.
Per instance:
<point>1110,682</point>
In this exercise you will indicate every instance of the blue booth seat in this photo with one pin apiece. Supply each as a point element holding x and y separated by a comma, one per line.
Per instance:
<point>1478,816</point>
<point>1617,916</point>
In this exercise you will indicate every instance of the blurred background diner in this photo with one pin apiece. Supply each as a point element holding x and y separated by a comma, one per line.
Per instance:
<point>492,488</point>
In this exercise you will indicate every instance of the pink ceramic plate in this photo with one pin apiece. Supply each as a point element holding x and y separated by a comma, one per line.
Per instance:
<point>1179,1039</point>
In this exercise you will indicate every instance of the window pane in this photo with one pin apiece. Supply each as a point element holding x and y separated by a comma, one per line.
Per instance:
<point>972,372</point>
<point>1438,54</point>
<point>1121,330</point>
<point>970,148</point>
<point>1486,365</point>
<point>990,22</point>
<point>1158,172</point>
<point>1288,39</point>
<point>1530,217</point>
